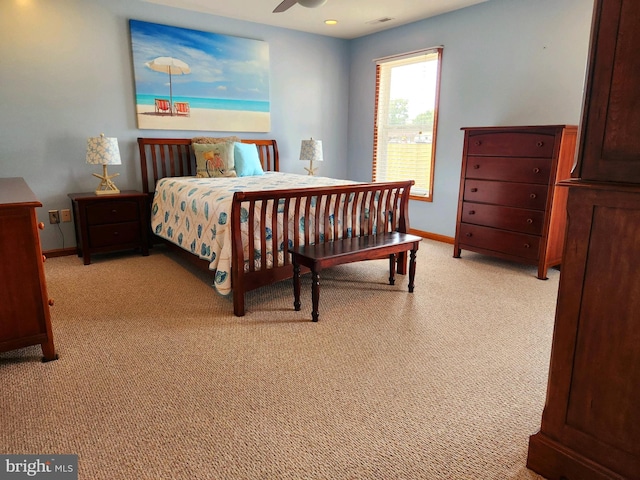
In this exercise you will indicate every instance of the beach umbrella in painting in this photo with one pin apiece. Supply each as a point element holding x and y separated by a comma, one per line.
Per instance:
<point>172,66</point>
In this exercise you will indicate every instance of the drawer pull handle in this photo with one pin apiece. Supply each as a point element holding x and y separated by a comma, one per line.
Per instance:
<point>115,234</point>
<point>477,143</point>
<point>529,221</point>
<point>472,212</point>
<point>51,302</point>
<point>469,234</point>
<point>540,143</point>
<point>533,195</point>
<point>536,170</point>
<point>474,190</point>
<point>114,211</point>
<point>526,245</point>
<point>476,166</point>
<point>41,225</point>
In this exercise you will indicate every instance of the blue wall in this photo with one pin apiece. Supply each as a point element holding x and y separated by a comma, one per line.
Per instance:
<point>66,75</point>
<point>505,62</point>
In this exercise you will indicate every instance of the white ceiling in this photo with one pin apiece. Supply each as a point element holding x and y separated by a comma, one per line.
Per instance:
<point>355,17</point>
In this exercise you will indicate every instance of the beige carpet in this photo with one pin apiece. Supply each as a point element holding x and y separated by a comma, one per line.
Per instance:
<point>158,380</point>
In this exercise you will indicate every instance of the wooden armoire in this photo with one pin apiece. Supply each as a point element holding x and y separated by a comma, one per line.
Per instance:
<point>591,421</point>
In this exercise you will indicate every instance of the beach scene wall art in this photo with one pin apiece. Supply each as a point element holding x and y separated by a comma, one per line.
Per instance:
<point>193,80</point>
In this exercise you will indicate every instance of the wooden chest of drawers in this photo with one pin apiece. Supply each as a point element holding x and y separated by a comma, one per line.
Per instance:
<point>509,206</point>
<point>106,223</point>
<point>25,318</point>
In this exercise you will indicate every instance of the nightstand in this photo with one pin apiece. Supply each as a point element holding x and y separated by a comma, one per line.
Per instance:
<point>107,223</point>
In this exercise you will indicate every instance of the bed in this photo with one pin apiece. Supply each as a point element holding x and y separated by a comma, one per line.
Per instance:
<point>240,227</point>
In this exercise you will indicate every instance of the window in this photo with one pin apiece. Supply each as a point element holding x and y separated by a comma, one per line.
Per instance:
<point>406,119</point>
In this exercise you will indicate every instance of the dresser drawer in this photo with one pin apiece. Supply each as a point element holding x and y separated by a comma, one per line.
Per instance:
<point>505,218</point>
<point>112,211</point>
<point>510,243</point>
<point>114,234</point>
<point>532,196</point>
<point>511,144</point>
<point>509,169</point>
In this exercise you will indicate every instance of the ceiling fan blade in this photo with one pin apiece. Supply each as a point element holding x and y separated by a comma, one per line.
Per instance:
<point>285,5</point>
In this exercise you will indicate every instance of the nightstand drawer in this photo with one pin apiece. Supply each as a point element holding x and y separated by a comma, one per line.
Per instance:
<point>114,234</point>
<point>112,212</point>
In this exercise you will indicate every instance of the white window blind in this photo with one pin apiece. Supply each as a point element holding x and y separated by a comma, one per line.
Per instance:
<point>407,88</point>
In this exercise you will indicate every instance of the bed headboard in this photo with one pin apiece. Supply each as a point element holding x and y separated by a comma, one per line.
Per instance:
<point>173,157</point>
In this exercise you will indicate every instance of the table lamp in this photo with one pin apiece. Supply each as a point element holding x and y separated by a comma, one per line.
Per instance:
<point>311,150</point>
<point>104,151</point>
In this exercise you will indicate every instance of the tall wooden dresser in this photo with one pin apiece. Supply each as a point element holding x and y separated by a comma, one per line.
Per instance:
<point>509,206</point>
<point>591,420</point>
<point>24,304</point>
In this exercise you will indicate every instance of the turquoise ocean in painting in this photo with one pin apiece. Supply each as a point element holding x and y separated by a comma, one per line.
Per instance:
<point>210,103</point>
<point>224,79</point>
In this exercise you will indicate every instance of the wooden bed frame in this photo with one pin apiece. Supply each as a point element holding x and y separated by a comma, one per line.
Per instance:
<point>163,157</point>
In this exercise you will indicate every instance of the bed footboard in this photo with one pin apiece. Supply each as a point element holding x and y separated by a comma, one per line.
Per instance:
<point>265,224</point>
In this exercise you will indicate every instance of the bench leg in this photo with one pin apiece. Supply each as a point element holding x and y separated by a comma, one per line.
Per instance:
<point>402,263</point>
<point>296,286</point>
<point>412,269</point>
<point>392,270</point>
<point>315,294</point>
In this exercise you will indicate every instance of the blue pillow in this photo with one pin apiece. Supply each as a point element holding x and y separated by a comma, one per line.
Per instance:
<point>247,161</point>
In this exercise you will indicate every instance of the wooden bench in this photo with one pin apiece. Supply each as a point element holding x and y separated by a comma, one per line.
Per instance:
<point>368,247</point>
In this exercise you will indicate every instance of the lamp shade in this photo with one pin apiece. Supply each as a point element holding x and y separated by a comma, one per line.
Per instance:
<point>103,151</point>
<point>311,150</point>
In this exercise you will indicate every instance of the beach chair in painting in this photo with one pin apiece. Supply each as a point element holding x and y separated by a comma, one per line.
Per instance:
<point>182,108</point>
<point>162,105</point>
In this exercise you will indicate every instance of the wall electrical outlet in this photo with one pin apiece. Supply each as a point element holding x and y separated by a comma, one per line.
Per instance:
<point>54,216</point>
<point>65,215</point>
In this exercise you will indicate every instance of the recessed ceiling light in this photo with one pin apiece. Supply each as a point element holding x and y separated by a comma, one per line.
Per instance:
<point>331,22</point>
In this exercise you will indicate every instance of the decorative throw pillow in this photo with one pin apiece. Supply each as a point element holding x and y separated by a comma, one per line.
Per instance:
<point>214,159</point>
<point>247,161</point>
<point>214,139</point>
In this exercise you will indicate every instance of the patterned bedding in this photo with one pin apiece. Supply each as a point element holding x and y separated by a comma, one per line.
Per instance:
<point>195,213</point>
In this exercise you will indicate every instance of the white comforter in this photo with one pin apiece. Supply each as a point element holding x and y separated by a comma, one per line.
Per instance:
<point>195,213</point>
